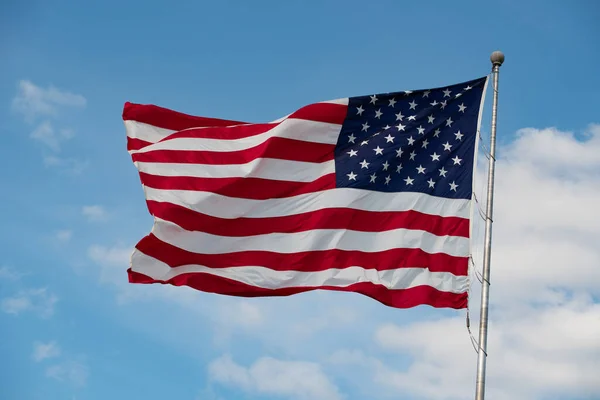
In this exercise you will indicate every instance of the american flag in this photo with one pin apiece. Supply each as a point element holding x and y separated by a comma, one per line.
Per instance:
<point>368,194</point>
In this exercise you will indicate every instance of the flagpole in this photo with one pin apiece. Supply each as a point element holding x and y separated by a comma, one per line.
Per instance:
<point>497,58</point>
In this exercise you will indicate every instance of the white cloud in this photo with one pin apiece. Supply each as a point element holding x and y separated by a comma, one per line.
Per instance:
<point>94,213</point>
<point>9,274</point>
<point>64,236</point>
<point>46,134</point>
<point>532,354</point>
<point>33,101</point>
<point>43,351</point>
<point>292,379</point>
<point>39,301</point>
<point>71,166</point>
<point>74,372</point>
<point>113,261</point>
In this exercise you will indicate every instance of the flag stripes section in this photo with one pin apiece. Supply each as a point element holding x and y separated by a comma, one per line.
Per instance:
<point>254,210</point>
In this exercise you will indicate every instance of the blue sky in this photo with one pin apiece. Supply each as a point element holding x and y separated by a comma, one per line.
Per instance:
<point>73,205</point>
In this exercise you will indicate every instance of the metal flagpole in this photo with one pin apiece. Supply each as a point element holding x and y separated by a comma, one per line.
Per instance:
<point>497,58</point>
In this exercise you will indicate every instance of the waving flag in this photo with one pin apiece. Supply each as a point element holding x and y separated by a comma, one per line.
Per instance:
<point>368,194</point>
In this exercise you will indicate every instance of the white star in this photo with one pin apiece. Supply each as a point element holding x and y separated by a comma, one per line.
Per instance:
<point>351,176</point>
<point>385,128</point>
<point>420,169</point>
<point>443,104</point>
<point>458,95</point>
<point>421,129</point>
<point>430,119</point>
<point>399,153</point>
<point>373,177</point>
<point>401,127</point>
<point>431,183</point>
<point>443,172</point>
<point>378,114</point>
<point>435,103</point>
<point>413,105</point>
<point>365,126</point>
<point>386,165</point>
<point>449,122</point>
<point>373,99</point>
<point>388,179</point>
<point>468,88</point>
<point>377,134</point>
<point>408,180</point>
<point>459,135</point>
<point>413,155</point>
<point>462,107</point>
<point>456,160</point>
<point>425,143</point>
<point>359,110</point>
<point>364,142</point>
<point>436,133</point>
<point>447,146</point>
<point>453,186</point>
<point>392,102</point>
<point>364,164</point>
<point>447,93</point>
<point>411,140</point>
<point>412,118</point>
<point>426,93</point>
<point>435,157</point>
<point>399,168</point>
<point>389,139</point>
<point>407,92</point>
<point>378,150</point>
<point>352,153</point>
<point>351,138</point>
<point>399,116</point>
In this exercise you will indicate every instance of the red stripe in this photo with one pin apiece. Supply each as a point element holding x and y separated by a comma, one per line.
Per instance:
<point>225,133</point>
<point>275,147</point>
<point>177,121</point>
<point>331,218</point>
<point>169,119</point>
<point>322,112</point>
<point>307,261</point>
<point>245,188</point>
<point>136,144</point>
<point>404,298</point>
<point>319,112</point>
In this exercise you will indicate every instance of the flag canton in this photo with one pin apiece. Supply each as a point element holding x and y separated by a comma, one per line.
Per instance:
<point>412,141</point>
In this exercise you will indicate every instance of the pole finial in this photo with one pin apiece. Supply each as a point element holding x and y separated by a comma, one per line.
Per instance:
<point>497,58</point>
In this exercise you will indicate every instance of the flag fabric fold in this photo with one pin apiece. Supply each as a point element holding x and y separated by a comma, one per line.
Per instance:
<point>368,194</point>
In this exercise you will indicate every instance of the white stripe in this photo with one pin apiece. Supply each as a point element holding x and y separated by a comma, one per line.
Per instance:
<point>312,240</point>
<point>153,134</point>
<point>395,279</point>
<point>146,132</point>
<point>343,101</point>
<point>308,131</point>
<point>359,199</point>
<point>266,168</point>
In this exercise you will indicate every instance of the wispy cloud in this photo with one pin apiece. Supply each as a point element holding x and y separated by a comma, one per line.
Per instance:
<point>64,235</point>
<point>94,213</point>
<point>9,274</point>
<point>293,379</point>
<point>43,351</point>
<point>50,137</point>
<point>70,166</point>
<point>74,372</point>
<point>39,301</point>
<point>33,101</point>
<point>40,105</point>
